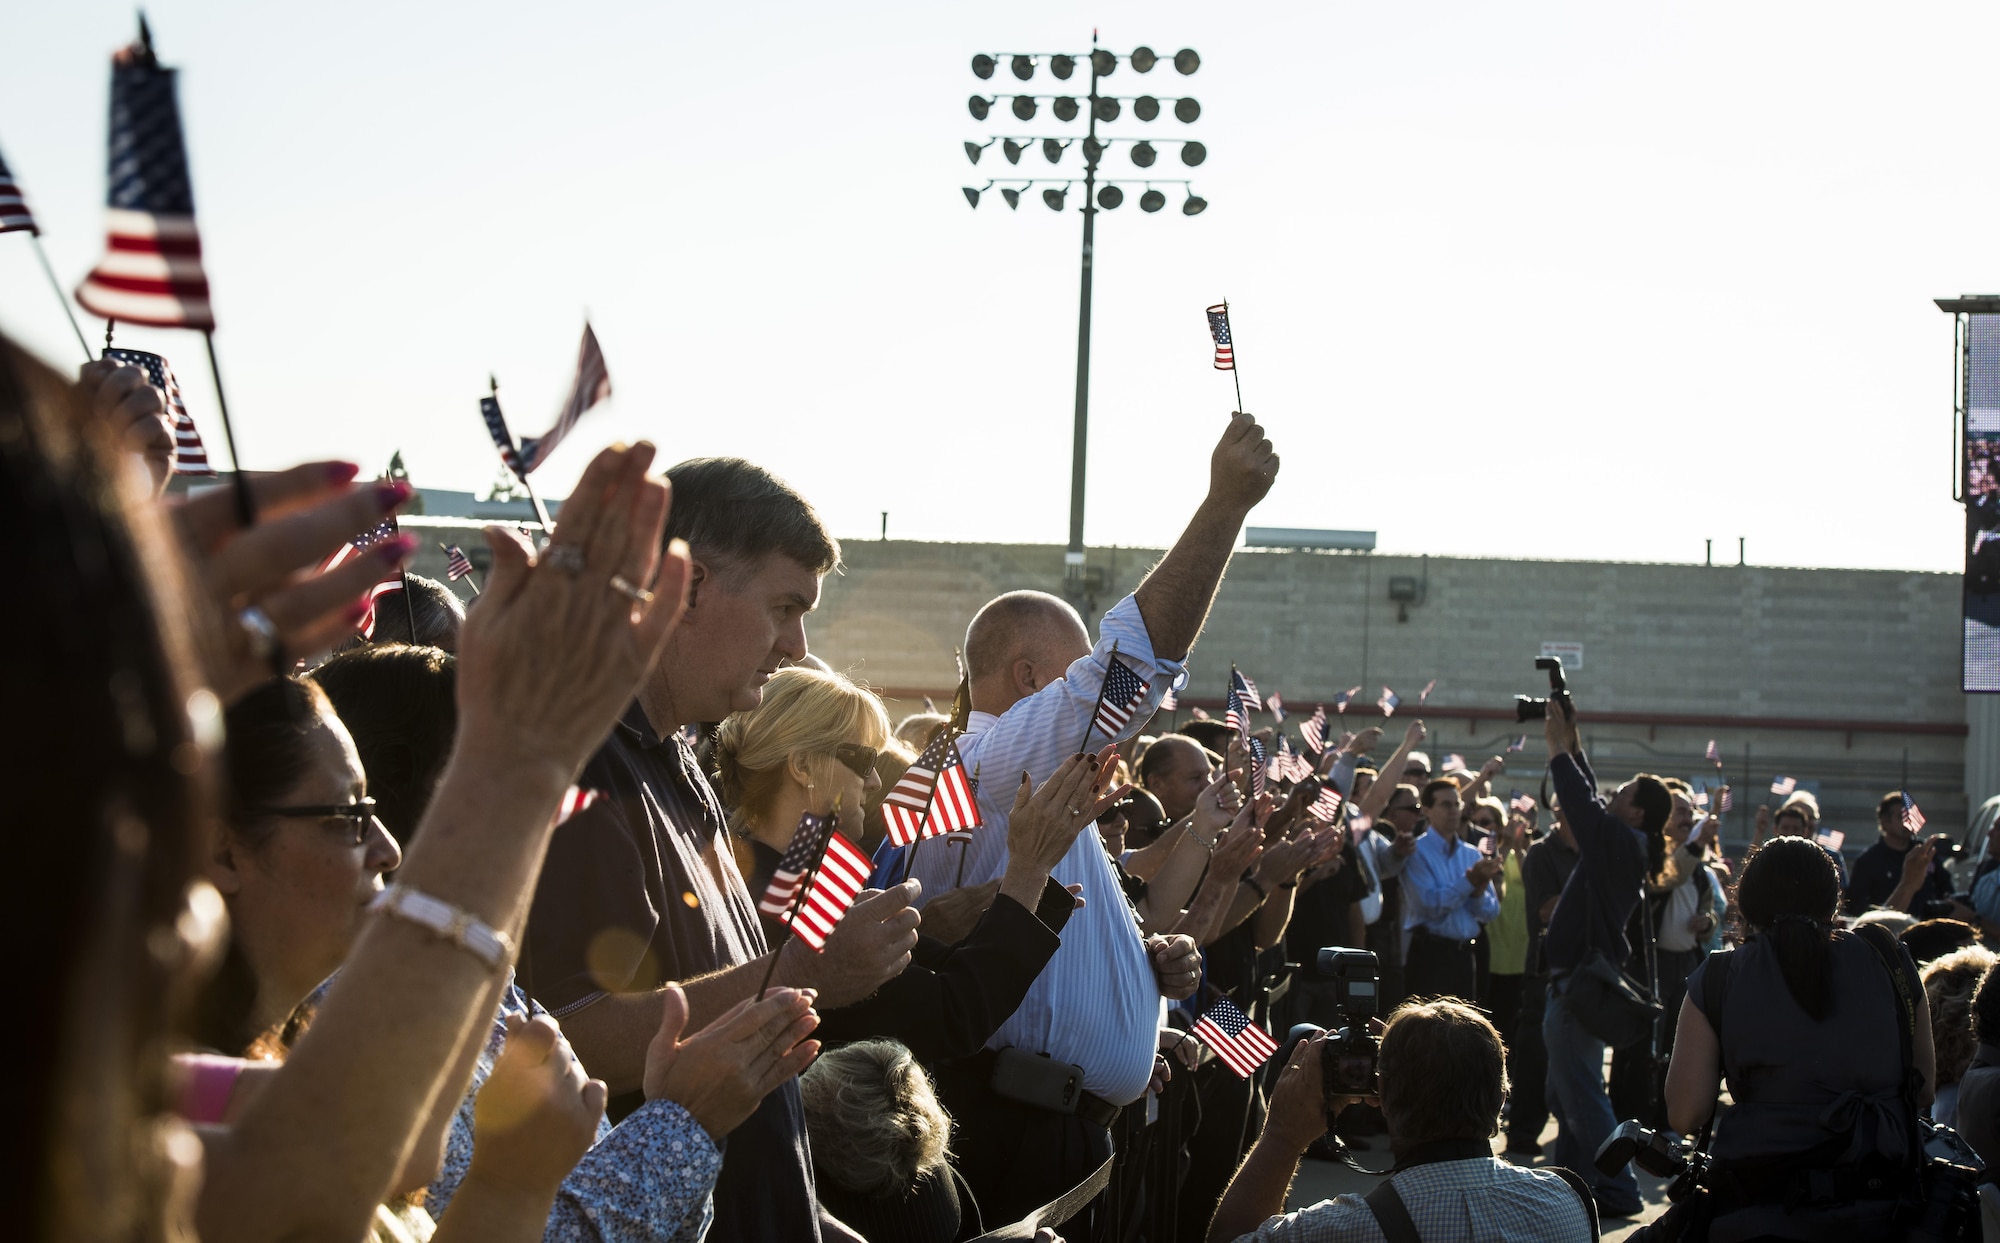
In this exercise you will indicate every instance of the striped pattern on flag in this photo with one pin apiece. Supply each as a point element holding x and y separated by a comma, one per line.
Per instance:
<point>1388,702</point>
<point>1426,692</point>
<point>574,800</point>
<point>1259,765</point>
<point>1340,701</point>
<point>1782,786</point>
<point>1276,703</point>
<point>1714,753</point>
<point>908,802</point>
<point>1242,1045</point>
<point>456,564</point>
<point>839,871</point>
<point>1519,743</point>
<point>591,385</point>
<point>14,214</point>
<point>954,804</point>
<point>190,455</point>
<point>1913,819</point>
<point>496,427</point>
<point>1313,732</point>
<point>1242,701</point>
<point>1170,702</point>
<point>1526,802</point>
<point>1218,327</point>
<point>1326,808</point>
<point>1124,690</point>
<point>151,272</point>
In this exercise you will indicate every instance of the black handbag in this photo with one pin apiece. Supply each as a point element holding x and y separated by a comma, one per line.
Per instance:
<point>1609,1004</point>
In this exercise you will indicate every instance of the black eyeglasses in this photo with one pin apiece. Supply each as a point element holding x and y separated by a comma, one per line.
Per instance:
<point>1488,825</point>
<point>360,815</point>
<point>859,760</point>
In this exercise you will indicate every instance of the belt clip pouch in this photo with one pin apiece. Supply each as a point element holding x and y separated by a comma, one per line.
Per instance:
<point>1038,1080</point>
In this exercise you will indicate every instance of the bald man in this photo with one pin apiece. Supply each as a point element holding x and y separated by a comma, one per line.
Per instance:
<point>1175,770</point>
<point>1099,1004</point>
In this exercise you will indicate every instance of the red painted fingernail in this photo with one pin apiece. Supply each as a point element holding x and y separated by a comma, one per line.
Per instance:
<point>390,495</point>
<point>342,472</point>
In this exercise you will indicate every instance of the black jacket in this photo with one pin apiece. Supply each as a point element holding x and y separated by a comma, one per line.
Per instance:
<point>1601,893</point>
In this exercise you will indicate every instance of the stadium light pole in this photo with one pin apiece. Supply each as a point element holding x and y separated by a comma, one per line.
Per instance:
<point>1104,108</point>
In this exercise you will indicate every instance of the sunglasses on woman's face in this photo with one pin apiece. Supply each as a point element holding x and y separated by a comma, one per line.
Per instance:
<point>359,816</point>
<point>859,760</point>
<point>1490,826</point>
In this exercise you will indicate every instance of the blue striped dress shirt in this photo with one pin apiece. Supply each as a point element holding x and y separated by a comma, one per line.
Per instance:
<point>1097,1004</point>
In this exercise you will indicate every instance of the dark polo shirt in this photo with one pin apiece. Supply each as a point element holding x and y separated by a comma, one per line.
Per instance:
<point>640,889</point>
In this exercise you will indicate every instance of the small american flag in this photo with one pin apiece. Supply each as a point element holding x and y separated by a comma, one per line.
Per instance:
<point>1714,753</point>
<point>456,564</point>
<point>1700,798</point>
<point>1726,800</point>
<point>14,213</point>
<point>1784,785</point>
<point>1249,688</point>
<point>152,272</point>
<point>1276,703</point>
<point>574,800</point>
<point>1170,702</point>
<point>932,796</point>
<point>1340,700</point>
<point>591,385</point>
<point>190,457</point>
<point>1218,327</point>
<point>1241,1044</point>
<point>1240,704</point>
<point>383,530</point>
<point>1521,802</point>
<point>1388,702</point>
<point>1426,692</point>
<point>496,426</point>
<point>1123,691</point>
<point>1913,819</point>
<point>1260,763</point>
<point>1832,839</point>
<point>1313,732</point>
<point>1300,767</point>
<point>1454,763</point>
<point>1519,744</point>
<point>839,872</point>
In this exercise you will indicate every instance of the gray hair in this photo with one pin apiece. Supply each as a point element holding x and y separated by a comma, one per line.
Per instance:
<point>735,513</point>
<point>870,1107</point>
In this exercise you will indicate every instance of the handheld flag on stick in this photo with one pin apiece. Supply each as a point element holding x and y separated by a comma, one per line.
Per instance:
<point>1426,692</point>
<point>1171,701</point>
<point>1340,700</point>
<point>1783,786</point>
<point>152,272</point>
<point>1260,763</point>
<point>1242,1045</point>
<point>357,546</point>
<point>1832,839</point>
<point>1313,732</point>
<point>1724,800</point>
<point>1276,704</point>
<point>816,880</point>
<point>1225,345</point>
<point>503,440</point>
<point>15,217</point>
<point>1518,744</point>
<point>457,565</point>
<point>1453,763</point>
<point>1120,695</point>
<point>1521,802</point>
<point>1326,808</point>
<point>1242,701</point>
<point>932,796</point>
<point>190,457</point>
<point>1913,819</point>
<point>574,800</point>
<point>1388,702</point>
<point>591,385</point>
<point>1713,754</point>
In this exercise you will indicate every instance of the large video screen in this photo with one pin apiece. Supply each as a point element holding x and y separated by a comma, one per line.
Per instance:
<point>1982,504</point>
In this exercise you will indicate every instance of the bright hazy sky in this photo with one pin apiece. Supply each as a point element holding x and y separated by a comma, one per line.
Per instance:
<point>1583,281</point>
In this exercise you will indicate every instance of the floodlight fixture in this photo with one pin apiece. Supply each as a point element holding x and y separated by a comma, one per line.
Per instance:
<point>1187,109</point>
<point>1151,201</point>
<point>1062,66</point>
<point>1110,197</point>
<point>1013,198</point>
<point>1106,108</point>
<point>1024,107</point>
<point>1012,150</point>
<point>1103,62</point>
<point>1143,154</point>
<point>982,66</point>
<point>1194,206</point>
<point>1093,150</point>
<point>972,150</point>
<point>1186,61</point>
<point>1054,197</point>
<point>1193,153</point>
<point>1052,150</point>
<point>1143,59</point>
<point>978,105</point>
<point>971,197</point>
<point>1065,108</point>
<point>1146,108</point>
<point>1023,67</point>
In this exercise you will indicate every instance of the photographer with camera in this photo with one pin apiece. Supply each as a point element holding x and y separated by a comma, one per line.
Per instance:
<point>1442,1080</point>
<point>1619,843</point>
<point>1826,1040</point>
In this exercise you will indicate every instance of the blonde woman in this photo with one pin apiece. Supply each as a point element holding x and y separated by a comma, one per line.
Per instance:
<point>810,746</point>
<point>791,754</point>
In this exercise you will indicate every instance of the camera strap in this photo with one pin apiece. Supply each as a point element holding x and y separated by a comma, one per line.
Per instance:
<point>1393,1215</point>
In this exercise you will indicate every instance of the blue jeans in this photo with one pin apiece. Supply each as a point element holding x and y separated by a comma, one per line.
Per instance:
<point>1576,1096</point>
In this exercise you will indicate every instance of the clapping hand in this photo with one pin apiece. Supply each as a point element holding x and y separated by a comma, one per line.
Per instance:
<point>869,946</point>
<point>723,1071</point>
<point>1216,806</point>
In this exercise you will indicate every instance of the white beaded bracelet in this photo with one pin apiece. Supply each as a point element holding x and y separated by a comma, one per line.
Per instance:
<point>470,933</point>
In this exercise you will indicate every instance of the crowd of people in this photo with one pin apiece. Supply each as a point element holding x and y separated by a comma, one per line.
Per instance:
<point>454,931</point>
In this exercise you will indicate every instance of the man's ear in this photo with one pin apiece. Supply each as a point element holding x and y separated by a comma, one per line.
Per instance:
<point>699,575</point>
<point>1022,670</point>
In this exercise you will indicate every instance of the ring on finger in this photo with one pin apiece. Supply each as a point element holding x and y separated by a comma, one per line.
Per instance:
<point>262,633</point>
<point>623,586</point>
<point>565,557</point>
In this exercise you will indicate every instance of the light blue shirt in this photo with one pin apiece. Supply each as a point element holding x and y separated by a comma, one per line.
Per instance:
<point>1097,1004</point>
<point>1986,897</point>
<point>1436,895</point>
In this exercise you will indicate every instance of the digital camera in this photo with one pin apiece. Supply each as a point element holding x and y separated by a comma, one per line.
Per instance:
<point>1662,1154</point>
<point>1348,1059</point>
<point>1529,708</point>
